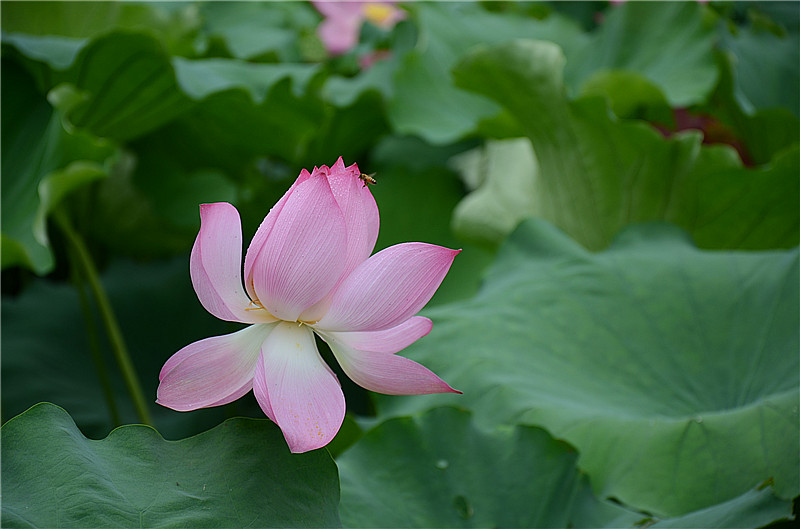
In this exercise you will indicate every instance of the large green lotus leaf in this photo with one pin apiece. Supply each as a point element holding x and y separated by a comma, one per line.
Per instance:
<point>425,102</point>
<point>42,162</point>
<point>755,508</point>
<point>240,474</point>
<point>598,174</point>
<point>438,470</point>
<point>671,44</point>
<point>673,370</point>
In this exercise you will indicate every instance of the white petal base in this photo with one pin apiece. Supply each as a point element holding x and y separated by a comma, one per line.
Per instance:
<point>297,390</point>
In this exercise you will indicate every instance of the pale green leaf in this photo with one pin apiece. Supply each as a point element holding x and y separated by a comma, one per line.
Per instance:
<point>674,371</point>
<point>503,176</point>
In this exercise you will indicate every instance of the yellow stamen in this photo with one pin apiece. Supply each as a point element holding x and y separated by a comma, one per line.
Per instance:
<point>258,307</point>
<point>377,13</point>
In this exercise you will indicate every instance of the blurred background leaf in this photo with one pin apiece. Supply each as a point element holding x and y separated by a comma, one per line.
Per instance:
<point>762,134</point>
<point>597,174</point>
<point>120,85</point>
<point>256,31</point>
<point>173,24</point>
<point>42,163</point>
<point>767,51</point>
<point>425,102</point>
<point>668,43</point>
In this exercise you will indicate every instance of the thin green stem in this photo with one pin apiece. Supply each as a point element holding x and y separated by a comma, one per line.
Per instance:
<point>94,342</point>
<point>120,350</point>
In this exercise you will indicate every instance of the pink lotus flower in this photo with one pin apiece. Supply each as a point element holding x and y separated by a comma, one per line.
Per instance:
<point>342,25</point>
<point>308,270</point>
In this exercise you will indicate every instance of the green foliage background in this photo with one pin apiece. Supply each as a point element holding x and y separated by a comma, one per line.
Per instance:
<point>623,320</point>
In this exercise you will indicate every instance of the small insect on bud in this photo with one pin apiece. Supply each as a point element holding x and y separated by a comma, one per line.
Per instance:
<point>367,179</point>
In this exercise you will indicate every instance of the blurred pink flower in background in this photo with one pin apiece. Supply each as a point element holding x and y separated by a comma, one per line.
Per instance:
<point>307,271</point>
<point>366,61</point>
<point>341,28</point>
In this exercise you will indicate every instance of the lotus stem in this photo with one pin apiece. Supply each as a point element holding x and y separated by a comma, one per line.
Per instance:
<point>118,347</point>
